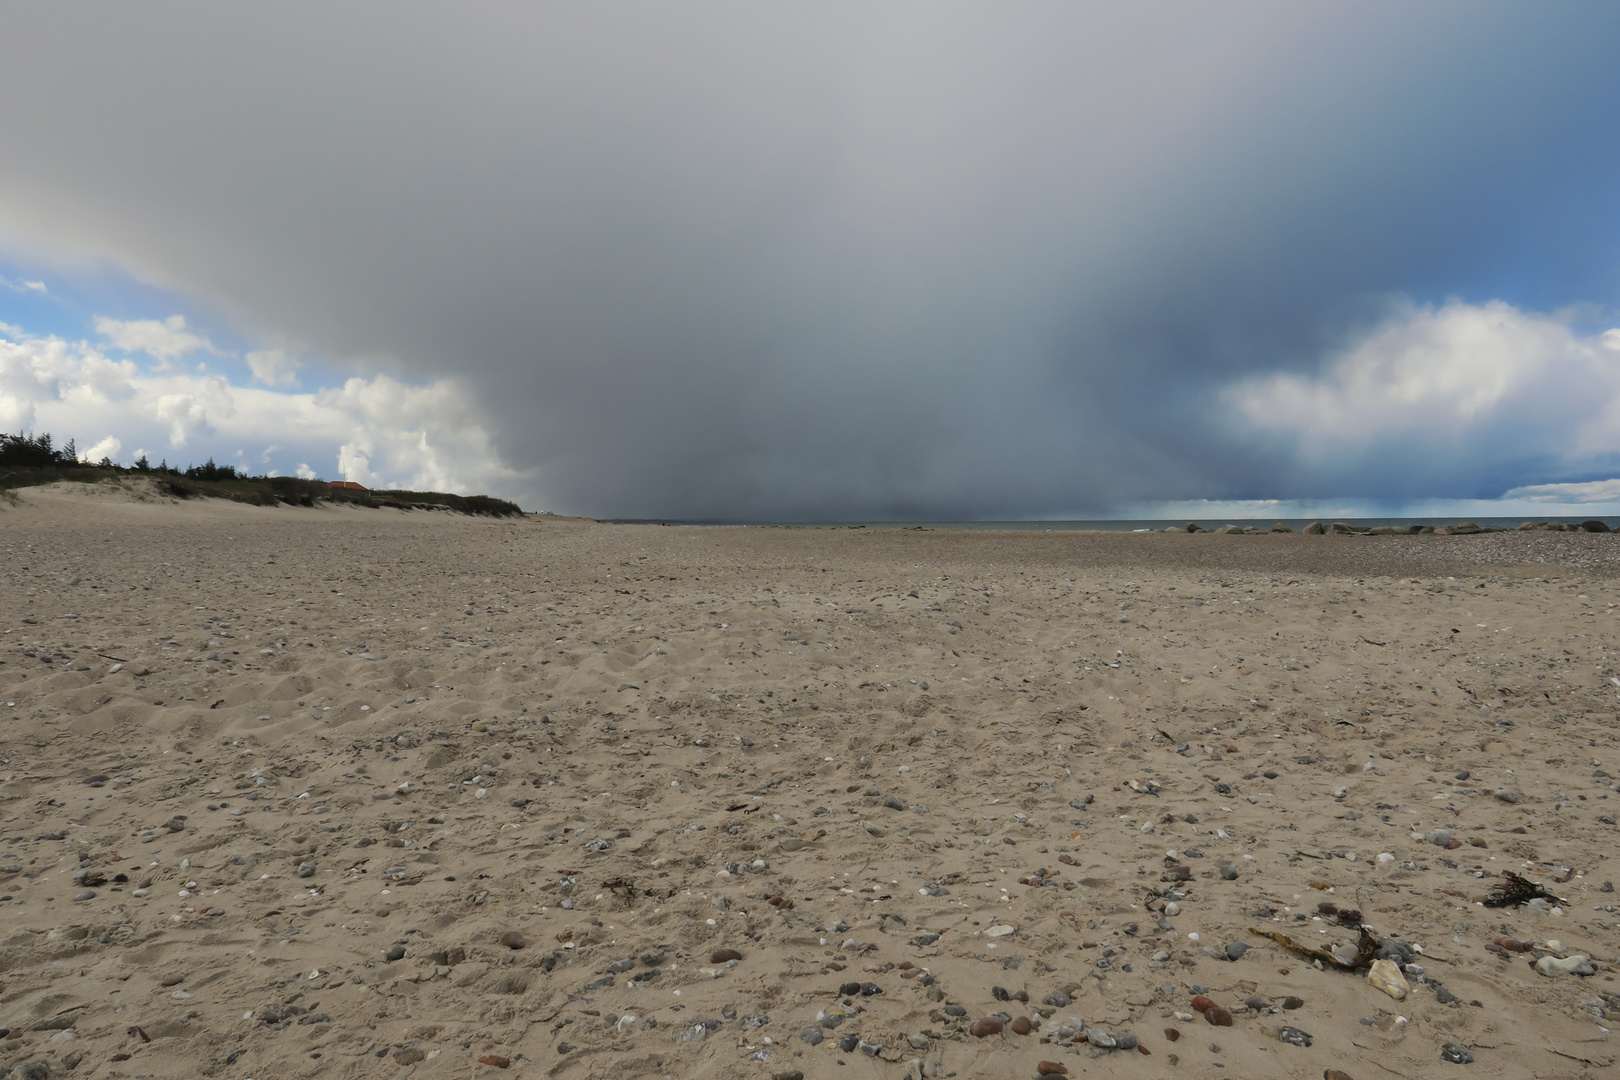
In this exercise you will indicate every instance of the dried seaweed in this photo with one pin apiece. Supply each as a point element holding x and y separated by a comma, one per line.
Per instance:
<point>1514,890</point>
<point>1366,950</point>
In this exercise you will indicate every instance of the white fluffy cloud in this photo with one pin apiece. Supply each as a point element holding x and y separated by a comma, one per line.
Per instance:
<point>273,367</point>
<point>166,340</point>
<point>1469,391</point>
<point>376,430</point>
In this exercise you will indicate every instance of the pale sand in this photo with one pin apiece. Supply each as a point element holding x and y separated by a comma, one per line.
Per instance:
<point>720,696</point>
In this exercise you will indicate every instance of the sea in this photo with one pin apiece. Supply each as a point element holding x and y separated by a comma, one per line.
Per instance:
<point>1119,525</point>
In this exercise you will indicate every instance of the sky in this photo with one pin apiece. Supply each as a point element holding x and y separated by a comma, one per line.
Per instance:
<point>744,261</point>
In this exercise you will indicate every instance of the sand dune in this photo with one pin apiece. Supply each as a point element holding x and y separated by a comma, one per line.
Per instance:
<point>320,792</point>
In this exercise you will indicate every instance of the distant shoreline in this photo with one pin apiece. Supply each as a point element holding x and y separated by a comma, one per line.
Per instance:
<point>1486,524</point>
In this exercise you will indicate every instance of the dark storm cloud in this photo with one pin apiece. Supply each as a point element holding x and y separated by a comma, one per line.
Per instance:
<point>875,260</point>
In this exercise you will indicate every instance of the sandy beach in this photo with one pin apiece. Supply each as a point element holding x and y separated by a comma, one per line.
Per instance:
<point>374,793</point>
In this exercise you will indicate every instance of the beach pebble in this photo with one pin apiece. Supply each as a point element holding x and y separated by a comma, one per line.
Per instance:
<point>848,1043</point>
<point>306,869</point>
<point>1291,1003</point>
<point>171,980</point>
<point>652,957</point>
<point>1100,1039</point>
<point>499,1061</point>
<point>83,895</point>
<point>1229,872</point>
<point>514,940</point>
<point>1438,837</point>
<point>1021,1025</point>
<point>1201,1004</point>
<point>1552,966</point>
<point>1507,795</point>
<point>1172,1034</point>
<point>984,1027</point>
<point>1051,1068</point>
<point>1235,950</point>
<point>723,956</point>
<point>1385,975</point>
<point>788,1074</point>
<point>1294,1036</point>
<point>1456,1053</point>
<point>893,803</point>
<point>1335,1074</point>
<point>1386,860</point>
<point>1057,999</point>
<point>811,1035</point>
<point>1218,1016</point>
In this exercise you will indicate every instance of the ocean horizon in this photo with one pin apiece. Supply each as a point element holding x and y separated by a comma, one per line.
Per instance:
<point>1122,524</point>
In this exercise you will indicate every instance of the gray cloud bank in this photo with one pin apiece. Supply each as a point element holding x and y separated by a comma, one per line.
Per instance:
<point>912,260</point>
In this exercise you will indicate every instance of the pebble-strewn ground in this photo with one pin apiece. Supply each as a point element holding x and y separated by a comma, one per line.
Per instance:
<point>290,793</point>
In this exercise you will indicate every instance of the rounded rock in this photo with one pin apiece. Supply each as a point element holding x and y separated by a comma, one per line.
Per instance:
<point>724,956</point>
<point>1021,1025</point>
<point>1218,1016</point>
<point>1202,1004</point>
<point>1051,1068</point>
<point>514,940</point>
<point>985,1027</point>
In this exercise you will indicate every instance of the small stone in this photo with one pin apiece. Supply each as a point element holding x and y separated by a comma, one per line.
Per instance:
<point>1456,1053</point>
<point>1125,1041</point>
<point>500,1061</point>
<point>1442,995</point>
<point>396,953</point>
<point>1057,999</point>
<point>1172,1034</point>
<point>1000,993</point>
<point>1051,1068</point>
<point>893,803</point>
<point>1202,1004</point>
<point>514,940</point>
<point>1507,795</point>
<point>811,1035</point>
<point>1229,872</point>
<point>1439,837</point>
<point>788,1074</point>
<point>1386,975</point>
<point>848,1043</point>
<point>306,869</point>
<point>1294,1036</point>
<point>84,894</point>
<point>171,980</point>
<point>1334,1074</point>
<point>410,1055</point>
<point>1021,1025</point>
<point>1552,966</point>
<point>1291,1003</point>
<point>724,956</point>
<point>1101,1039</point>
<point>1218,1016</point>
<point>984,1027</point>
<point>652,957</point>
<point>1235,950</point>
